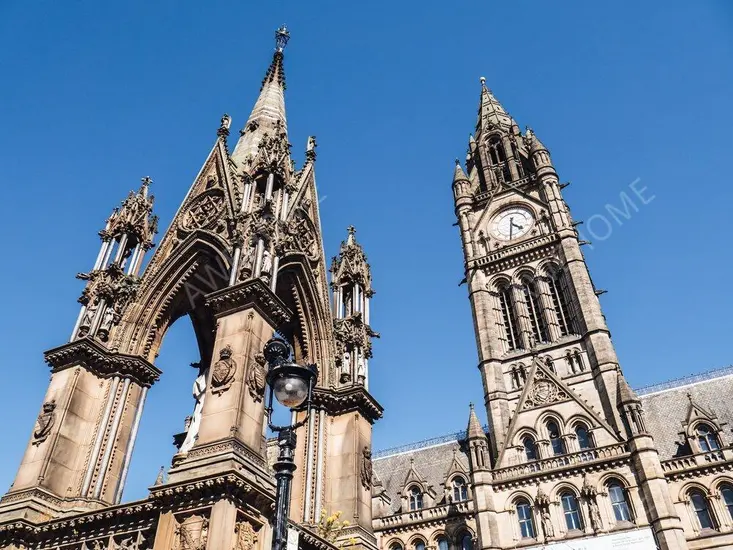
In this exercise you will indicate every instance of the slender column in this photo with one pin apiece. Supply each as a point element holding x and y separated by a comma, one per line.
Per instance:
<point>110,441</point>
<point>270,185</point>
<point>108,253</point>
<point>100,435</point>
<point>101,255</point>
<point>319,462</point>
<point>366,310</point>
<point>339,302</point>
<point>235,265</point>
<point>130,446</point>
<point>309,468</point>
<point>366,373</point>
<point>82,311</point>
<point>98,315</point>
<point>138,261</point>
<point>258,258</point>
<point>246,197</point>
<point>133,259</point>
<point>273,275</point>
<point>356,298</point>
<point>121,249</point>
<point>284,209</point>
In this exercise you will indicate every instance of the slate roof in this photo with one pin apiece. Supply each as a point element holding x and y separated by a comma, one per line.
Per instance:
<point>431,461</point>
<point>666,407</point>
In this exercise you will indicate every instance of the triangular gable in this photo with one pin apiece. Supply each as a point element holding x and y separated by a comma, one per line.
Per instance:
<point>413,476</point>
<point>455,466</point>
<point>544,388</point>
<point>696,412</point>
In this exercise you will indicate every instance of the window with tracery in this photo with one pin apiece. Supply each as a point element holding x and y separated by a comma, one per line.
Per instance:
<point>415,498</point>
<point>556,442</point>
<point>584,438</point>
<point>530,447</point>
<point>707,438</point>
<point>509,319</point>
<point>460,490</point>
<point>534,308</point>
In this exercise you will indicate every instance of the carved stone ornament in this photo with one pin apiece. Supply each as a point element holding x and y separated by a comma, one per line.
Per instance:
<point>192,535</point>
<point>256,378</point>
<point>203,211</point>
<point>367,471</point>
<point>543,392</point>
<point>45,422</point>
<point>223,371</point>
<point>246,536</point>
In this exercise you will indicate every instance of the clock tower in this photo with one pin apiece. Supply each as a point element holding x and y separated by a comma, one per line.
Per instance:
<point>552,382</point>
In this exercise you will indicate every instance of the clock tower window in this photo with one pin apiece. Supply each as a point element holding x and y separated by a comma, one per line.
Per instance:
<point>561,302</point>
<point>508,319</point>
<point>535,310</point>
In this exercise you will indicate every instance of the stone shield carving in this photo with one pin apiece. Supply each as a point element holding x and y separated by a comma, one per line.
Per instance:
<point>204,210</point>
<point>223,371</point>
<point>366,468</point>
<point>45,422</point>
<point>256,378</point>
<point>246,536</point>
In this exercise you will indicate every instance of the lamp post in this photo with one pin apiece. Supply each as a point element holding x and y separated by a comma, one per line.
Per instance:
<point>292,386</point>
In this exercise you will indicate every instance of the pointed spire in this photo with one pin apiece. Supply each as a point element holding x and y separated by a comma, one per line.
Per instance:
<point>533,142</point>
<point>458,173</point>
<point>268,114</point>
<point>490,112</point>
<point>625,393</point>
<point>161,476</point>
<point>474,429</point>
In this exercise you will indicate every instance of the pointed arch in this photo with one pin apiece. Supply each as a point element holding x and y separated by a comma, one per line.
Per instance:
<point>172,289</point>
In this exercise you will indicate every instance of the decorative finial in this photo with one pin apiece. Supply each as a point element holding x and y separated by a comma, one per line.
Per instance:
<point>281,38</point>
<point>351,229</point>
<point>146,181</point>
<point>470,405</point>
<point>160,479</point>
<point>226,122</point>
<point>483,80</point>
<point>458,162</point>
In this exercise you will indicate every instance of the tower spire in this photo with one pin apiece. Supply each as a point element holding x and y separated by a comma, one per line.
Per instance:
<point>491,113</point>
<point>268,113</point>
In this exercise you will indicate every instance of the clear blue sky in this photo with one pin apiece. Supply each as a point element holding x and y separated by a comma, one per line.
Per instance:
<point>95,95</point>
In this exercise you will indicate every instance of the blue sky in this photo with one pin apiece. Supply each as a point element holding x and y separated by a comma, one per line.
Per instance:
<point>96,95</point>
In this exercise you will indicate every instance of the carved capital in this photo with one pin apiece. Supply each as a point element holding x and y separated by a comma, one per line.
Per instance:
<point>343,400</point>
<point>253,293</point>
<point>93,357</point>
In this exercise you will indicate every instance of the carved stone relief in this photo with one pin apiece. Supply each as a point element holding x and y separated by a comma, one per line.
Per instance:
<point>246,537</point>
<point>45,422</point>
<point>223,372</point>
<point>366,469</point>
<point>192,533</point>
<point>256,378</point>
<point>203,211</point>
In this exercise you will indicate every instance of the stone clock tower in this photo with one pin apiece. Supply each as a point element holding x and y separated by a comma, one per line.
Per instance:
<point>552,383</point>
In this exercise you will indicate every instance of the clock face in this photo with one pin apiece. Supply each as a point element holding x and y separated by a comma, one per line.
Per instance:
<point>511,223</point>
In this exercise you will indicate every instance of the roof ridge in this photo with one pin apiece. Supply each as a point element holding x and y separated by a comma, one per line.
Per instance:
<point>685,380</point>
<point>416,445</point>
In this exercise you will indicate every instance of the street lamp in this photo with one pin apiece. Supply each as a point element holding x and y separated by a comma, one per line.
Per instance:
<point>292,385</point>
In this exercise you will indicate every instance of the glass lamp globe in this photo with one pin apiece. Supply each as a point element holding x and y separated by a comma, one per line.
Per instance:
<point>290,391</point>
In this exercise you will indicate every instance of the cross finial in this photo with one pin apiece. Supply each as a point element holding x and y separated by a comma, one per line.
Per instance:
<point>351,229</point>
<point>146,181</point>
<point>281,38</point>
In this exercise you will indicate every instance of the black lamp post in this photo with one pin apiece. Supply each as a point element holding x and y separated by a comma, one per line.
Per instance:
<point>292,385</point>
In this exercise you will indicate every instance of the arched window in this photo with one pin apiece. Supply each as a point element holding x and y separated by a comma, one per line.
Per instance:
<point>534,308</point>
<point>415,498</point>
<point>726,491</point>
<point>584,439</point>
<point>550,365</point>
<point>619,501</point>
<point>460,490</point>
<point>559,294</point>
<point>419,544</point>
<point>571,511</point>
<point>442,543</point>
<point>530,447</point>
<point>706,438</point>
<point>467,542</point>
<point>558,447</point>
<point>509,319</point>
<point>496,150</point>
<point>395,546</point>
<point>700,507</point>
<point>526,522</point>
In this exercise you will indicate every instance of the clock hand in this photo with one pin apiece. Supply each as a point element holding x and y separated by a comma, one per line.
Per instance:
<point>511,224</point>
